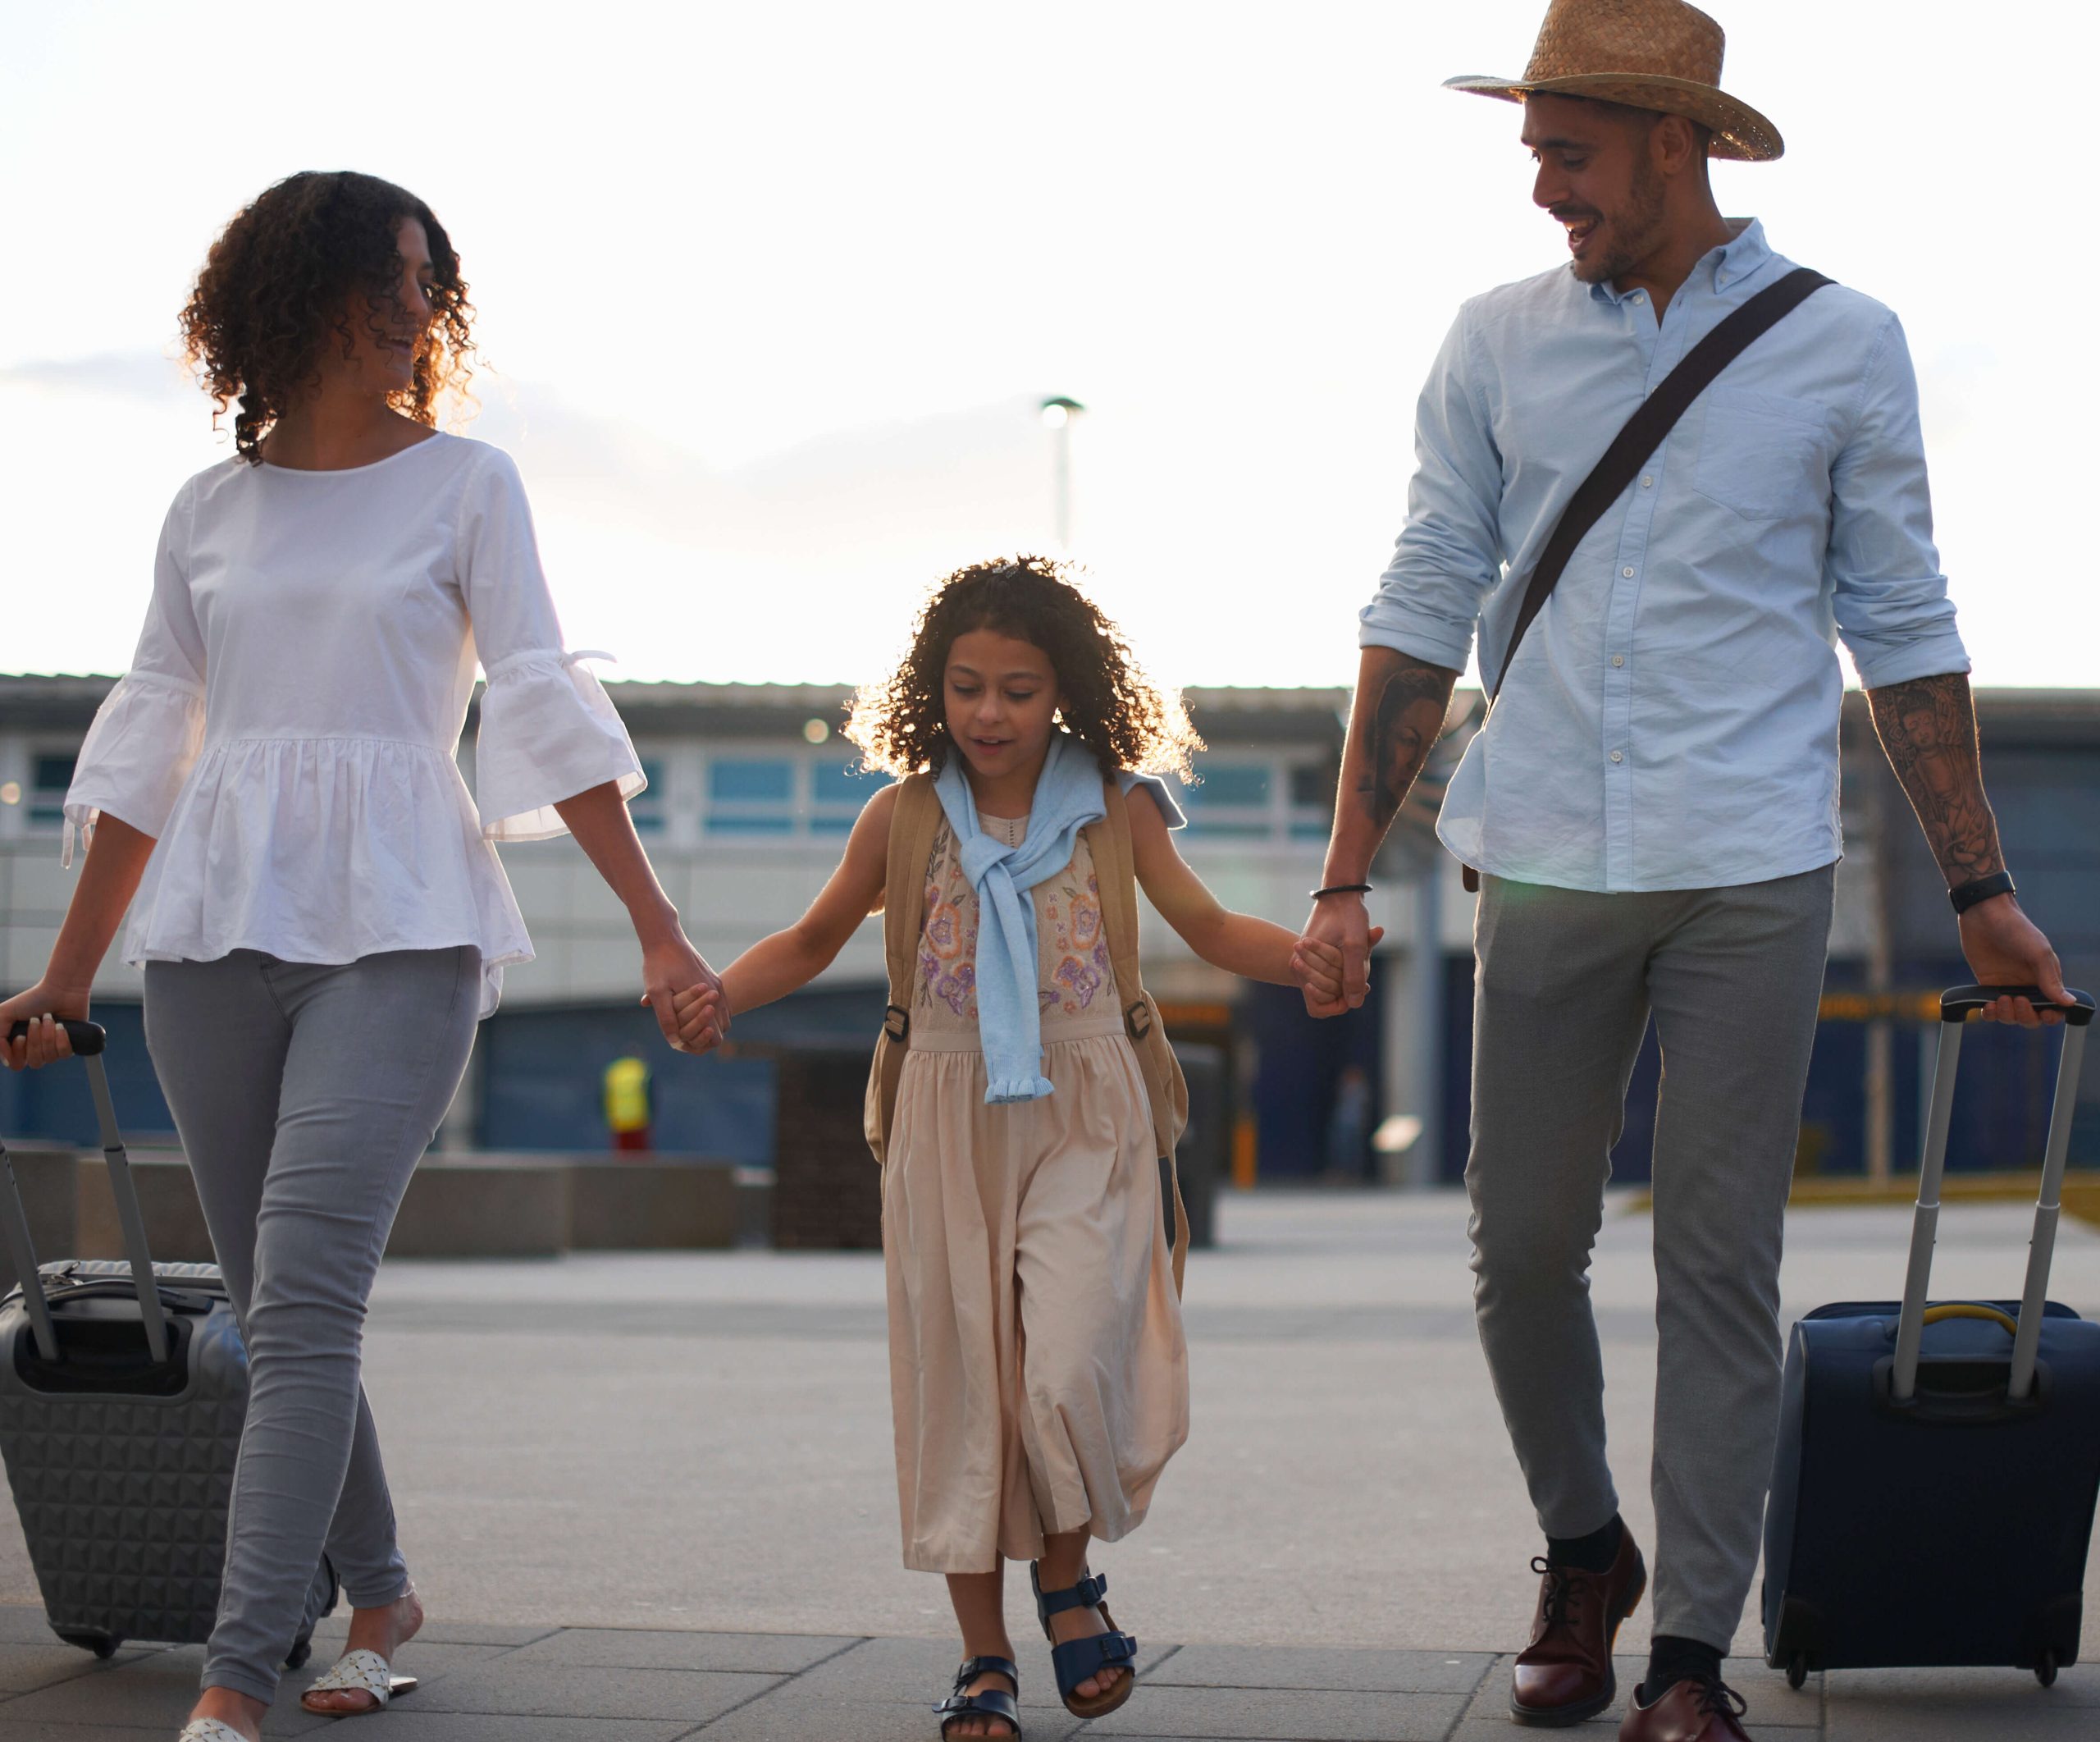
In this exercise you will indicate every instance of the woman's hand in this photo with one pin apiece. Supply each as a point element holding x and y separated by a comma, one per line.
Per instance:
<point>685,995</point>
<point>43,1007</point>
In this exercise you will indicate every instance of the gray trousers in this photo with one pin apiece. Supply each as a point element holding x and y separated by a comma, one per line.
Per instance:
<point>1566,980</point>
<point>304,1096</point>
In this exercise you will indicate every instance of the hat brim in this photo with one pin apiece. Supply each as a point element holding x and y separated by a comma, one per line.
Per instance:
<point>1739,131</point>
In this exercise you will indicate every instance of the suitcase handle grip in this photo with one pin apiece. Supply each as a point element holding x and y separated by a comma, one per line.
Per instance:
<point>1956,1001</point>
<point>1956,1004</point>
<point>1971,1309</point>
<point>88,1038</point>
<point>14,1222</point>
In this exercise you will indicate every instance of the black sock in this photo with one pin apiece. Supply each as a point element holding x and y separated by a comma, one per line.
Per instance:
<point>1593,1554</point>
<point>1671,1659</point>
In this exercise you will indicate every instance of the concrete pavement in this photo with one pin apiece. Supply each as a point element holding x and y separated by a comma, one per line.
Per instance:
<point>685,1460</point>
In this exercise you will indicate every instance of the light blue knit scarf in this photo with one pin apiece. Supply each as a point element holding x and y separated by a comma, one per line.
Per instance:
<point>1009,1017</point>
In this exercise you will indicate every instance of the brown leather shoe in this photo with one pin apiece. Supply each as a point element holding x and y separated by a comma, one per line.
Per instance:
<point>1564,1675</point>
<point>1693,1710</point>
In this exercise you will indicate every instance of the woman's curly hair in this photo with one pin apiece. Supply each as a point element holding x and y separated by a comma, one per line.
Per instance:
<point>1107,702</point>
<point>288,275</point>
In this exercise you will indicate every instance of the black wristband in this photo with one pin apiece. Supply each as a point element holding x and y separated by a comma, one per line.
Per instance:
<point>1343,888</point>
<point>1981,889</point>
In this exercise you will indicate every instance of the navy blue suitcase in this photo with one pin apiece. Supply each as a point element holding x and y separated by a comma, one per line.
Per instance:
<point>1938,1466</point>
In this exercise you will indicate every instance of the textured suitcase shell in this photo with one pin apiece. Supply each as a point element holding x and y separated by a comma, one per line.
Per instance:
<point>123,1498</point>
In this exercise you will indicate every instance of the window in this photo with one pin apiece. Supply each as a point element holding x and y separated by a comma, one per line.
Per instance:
<point>1313,799</point>
<point>1230,798</point>
<point>49,777</point>
<point>838,789</point>
<point>648,806</point>
<point>751,795</point>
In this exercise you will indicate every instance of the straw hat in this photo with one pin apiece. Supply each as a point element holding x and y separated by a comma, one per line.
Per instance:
<point>1649,54</point>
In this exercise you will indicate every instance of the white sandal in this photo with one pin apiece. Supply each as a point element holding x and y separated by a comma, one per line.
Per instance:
<point>209,1729</point>
<point>356,1672</point>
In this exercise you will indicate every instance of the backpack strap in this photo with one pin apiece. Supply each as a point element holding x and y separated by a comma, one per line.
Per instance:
<point>1116,871</point>
<point>913,826</point>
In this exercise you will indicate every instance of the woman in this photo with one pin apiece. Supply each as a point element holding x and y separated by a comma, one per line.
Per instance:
<point>320,914</point>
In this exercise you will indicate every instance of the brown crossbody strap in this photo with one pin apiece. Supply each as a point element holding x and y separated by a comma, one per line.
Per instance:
<point>1634,445</point>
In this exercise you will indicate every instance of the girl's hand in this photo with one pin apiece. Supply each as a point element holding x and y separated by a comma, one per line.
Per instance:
<point>703,1016</point>
<point>672,967</point>
<point>1316,965</point>
<point>42,1007</point>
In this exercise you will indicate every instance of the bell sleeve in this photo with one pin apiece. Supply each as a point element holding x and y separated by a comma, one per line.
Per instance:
<point>548,729</point>
<point>148,729</point>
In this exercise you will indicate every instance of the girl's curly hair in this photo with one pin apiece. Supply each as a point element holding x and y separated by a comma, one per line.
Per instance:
<point>289,275</point>
<point>1108,703</point>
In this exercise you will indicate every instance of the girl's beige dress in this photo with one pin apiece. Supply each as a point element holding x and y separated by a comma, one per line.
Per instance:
<point>1038,1372</point>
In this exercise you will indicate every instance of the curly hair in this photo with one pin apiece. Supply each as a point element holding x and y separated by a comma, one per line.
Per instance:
<point>283,278</point>
<point>1107,701</point>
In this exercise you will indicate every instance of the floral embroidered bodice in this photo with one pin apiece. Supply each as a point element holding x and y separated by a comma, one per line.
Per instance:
<point>1075,982</point>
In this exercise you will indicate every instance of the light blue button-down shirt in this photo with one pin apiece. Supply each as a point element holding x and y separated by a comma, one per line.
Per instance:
<point>1671,718</point>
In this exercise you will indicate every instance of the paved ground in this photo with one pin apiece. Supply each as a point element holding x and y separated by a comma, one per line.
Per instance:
<point>660,1489</point>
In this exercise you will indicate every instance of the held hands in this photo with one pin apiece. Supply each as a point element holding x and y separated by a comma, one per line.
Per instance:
<point>43,1007</point>
<point>1332,962</point>
<point>2007,949</point>
<point>685,995</point>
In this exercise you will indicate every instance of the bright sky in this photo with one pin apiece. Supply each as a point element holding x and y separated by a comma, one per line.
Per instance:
<point>771,292</point>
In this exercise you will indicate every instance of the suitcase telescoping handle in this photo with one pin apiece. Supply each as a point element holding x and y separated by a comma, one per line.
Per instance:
<point>88,1040</point>
<point>1955,1007</point>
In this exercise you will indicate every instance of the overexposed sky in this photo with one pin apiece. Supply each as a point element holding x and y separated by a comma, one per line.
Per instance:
<point>769,293</point>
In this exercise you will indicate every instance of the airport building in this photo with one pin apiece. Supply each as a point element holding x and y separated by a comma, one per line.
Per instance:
<point>751,791</point>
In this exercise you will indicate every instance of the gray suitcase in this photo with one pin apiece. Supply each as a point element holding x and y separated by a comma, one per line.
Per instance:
<point>121,1414</point>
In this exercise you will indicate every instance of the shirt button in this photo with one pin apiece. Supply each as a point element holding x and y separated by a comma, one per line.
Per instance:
<point>1627,571</point>
<point>1634,297</point>
<point>1618,756</point>
<point>1649,481</point>
<point>1618,658</point>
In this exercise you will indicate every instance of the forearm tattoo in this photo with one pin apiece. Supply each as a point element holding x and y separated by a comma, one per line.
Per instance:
<point>1404,724</point>
<point>1928,726</point>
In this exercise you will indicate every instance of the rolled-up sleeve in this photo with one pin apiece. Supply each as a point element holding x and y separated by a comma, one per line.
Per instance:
<point>1449,553</point>
<point>548,729</point>
<point>1887,595</point>
<point>146,732</point>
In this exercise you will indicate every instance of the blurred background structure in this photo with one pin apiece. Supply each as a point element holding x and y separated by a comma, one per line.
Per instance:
<point>752,791</point>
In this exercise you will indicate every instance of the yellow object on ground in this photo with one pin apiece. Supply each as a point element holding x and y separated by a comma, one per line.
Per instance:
<point>627,1095</point>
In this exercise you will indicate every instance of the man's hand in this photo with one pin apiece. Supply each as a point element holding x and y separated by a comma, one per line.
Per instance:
<point>685,995</point>
<point>1333,958</point>
<point>2007,949</point>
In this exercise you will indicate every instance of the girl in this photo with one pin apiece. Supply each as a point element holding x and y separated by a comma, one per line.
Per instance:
<point>1037,1373</point>
<point>322,915</point>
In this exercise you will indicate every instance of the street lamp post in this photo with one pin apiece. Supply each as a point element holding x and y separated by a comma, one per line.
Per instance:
<point>1057,414</point>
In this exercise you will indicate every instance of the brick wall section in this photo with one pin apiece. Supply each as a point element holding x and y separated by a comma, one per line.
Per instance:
<point>827,1189</point>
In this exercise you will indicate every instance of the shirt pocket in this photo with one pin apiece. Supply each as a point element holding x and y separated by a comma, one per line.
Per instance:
<point>1762,454</point>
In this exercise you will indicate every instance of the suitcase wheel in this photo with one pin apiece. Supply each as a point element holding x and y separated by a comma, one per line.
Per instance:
<point>1797,1672</point>
<point>2045,1671</point>
<point>295,1658</point>
<point>104,1645</point>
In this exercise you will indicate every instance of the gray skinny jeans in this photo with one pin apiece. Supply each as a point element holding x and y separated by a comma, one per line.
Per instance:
<point>304,1095</point>
<point>1566,980</point>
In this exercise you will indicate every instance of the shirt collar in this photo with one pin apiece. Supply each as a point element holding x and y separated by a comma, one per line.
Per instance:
<point>1732,262</point>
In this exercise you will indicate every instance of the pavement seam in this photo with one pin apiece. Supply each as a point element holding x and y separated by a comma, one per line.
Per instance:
<point>785,1681</point>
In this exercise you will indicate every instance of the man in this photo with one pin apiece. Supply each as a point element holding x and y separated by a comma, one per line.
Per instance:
<point>1653,802</point>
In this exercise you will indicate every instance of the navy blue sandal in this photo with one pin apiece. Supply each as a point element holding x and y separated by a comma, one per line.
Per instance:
<point>1077,1659</point>
<point>988,1703</point>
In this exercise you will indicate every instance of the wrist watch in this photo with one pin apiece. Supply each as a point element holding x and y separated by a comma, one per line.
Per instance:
<point>1965,896</point>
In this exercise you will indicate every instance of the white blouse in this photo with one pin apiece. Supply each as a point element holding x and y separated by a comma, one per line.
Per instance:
<point>287,730</point>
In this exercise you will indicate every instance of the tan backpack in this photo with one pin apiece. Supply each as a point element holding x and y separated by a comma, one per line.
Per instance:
<point>913,827</point>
